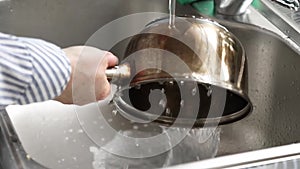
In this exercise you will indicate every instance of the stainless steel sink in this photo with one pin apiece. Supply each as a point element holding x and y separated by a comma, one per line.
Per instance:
<point>273,72</point>
<point>274,89</point>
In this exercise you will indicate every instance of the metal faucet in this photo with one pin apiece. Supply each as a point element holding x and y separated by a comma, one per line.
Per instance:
<point>231,7</point>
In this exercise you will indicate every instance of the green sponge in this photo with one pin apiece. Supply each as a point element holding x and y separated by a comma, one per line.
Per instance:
<point>183,2</point>
<point>205,7</point>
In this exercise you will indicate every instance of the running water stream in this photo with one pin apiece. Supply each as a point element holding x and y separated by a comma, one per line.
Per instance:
<point>172,7</point>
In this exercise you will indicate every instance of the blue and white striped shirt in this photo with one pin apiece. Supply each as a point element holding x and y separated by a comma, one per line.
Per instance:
<point>31,70</point>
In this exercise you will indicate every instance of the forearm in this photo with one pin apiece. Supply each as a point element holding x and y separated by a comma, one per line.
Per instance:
<point>31,70</point>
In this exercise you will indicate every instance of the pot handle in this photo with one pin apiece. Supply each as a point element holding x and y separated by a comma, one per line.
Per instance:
<point>121,71</point>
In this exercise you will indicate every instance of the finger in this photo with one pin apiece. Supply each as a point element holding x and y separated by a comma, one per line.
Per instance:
<point>103,88</point>
<point>112,60</point>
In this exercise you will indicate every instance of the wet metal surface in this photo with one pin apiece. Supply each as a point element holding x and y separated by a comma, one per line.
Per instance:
<point>273,87</point>
<point>273,83</point>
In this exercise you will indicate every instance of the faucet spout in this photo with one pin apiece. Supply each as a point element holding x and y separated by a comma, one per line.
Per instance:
<point>231,7</point>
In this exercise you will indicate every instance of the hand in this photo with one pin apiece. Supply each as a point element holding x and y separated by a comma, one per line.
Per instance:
<point>88,81</point>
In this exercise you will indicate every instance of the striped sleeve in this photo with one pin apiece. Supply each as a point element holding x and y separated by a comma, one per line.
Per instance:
<point>31,70</point>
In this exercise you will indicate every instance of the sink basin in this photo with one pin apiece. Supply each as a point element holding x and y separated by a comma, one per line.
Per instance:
<point>274,89</point>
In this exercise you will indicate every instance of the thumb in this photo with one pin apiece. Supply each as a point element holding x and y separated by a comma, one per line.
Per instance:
<point>112,60</point>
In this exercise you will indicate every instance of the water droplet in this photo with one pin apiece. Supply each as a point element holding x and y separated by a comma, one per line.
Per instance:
<point>74,140</point>
<point>162,103</point>
<point>171,82</point>
<point>66,138</point>
<point>115,112</point>
<point>62,159</point>
<point>70,130</point>
<point>287,31</point>
<point>182,103</point>
<point>28,157</point>
<point>102,139</point>
<point>80,131</point>
<point>292,83</point>
<point>135,127</point>
<point>137,145</point>
<point>209,91</point>
<point>181,82</point>
<point>168,111</point>
<point>194,91</point>
<point>74,158</point>
<point>138,86</point>
<point>110,120</point>
<point>145,125</point>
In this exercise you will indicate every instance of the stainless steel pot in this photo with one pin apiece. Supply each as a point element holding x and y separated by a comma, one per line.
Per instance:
<point>199,67</point>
